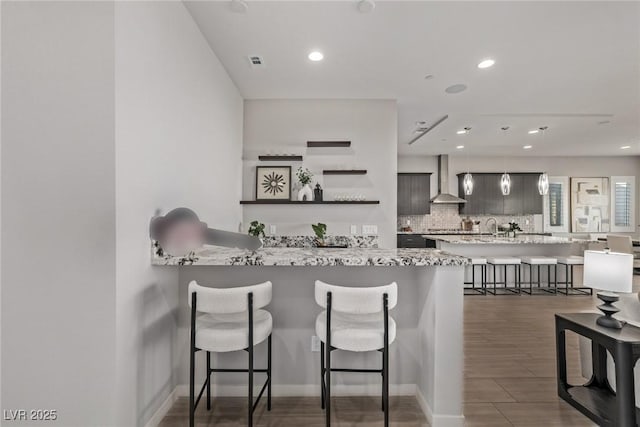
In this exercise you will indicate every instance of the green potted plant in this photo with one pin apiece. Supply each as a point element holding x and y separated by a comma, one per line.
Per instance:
<point>513,227</point>
<point>256,229</point>
<point>305,176</point>
<point>320,231</point>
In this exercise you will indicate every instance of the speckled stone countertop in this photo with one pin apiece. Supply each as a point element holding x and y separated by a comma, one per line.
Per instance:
<point>213,255</point>
<point>500,240</point>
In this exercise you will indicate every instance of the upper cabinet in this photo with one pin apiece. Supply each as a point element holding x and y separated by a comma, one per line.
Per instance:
<point>487,199</point>
<point>414,193</point>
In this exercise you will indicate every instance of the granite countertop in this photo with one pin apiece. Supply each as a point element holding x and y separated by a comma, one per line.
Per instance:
<point>500,240</point>
<point>447,232</point>
<point>214,255</point>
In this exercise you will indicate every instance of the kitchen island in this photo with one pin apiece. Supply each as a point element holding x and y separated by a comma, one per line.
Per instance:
<point>426,359</point>
<point>521,245</point>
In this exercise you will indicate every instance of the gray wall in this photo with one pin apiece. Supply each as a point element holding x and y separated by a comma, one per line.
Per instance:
<point>111,112</point>
<point>178,143</point>
<point>284,126</point>
<point>58,210</point>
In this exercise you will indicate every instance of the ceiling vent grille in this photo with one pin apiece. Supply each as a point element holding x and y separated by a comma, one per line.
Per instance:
<point>256,61</point>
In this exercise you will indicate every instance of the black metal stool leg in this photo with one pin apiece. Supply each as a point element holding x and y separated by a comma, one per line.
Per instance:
<point>208,380</point>
<point>269,373</point>
<point>322,388</point>
<point>382,375</point>
<point>250,348</point>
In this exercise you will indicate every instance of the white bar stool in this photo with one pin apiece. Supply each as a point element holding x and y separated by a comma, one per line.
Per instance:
<point>230,320</point>
<point>569,262</point>
<point>357,320</point>
<point>472,290</point>
<point>542,261</point>
<point>505,261</point>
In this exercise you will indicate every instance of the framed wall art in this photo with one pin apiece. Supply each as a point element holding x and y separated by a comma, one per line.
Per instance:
<point>273,182</point>
<point>590,205</point>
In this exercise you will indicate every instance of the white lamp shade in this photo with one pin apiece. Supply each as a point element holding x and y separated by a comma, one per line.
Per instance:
<point>608,271</point>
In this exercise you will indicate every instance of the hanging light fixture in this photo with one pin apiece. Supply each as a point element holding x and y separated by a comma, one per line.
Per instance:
<point>543,179</point>
<point>543,184</point>
<point>467,182</point>
<point>505,184</point>
<point>505,179</point>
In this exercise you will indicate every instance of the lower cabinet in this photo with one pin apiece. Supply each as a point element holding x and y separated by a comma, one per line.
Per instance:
<point>411,241</point>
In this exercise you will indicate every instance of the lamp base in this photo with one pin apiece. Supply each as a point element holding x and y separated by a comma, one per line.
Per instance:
<point>607,320</point>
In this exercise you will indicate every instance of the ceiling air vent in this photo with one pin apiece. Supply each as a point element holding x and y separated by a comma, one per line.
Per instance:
<point>256,61</point>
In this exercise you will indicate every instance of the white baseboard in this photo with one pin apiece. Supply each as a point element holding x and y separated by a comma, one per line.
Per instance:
<point>305,390</point>
<point>436,420</point>
<point>163,409</point>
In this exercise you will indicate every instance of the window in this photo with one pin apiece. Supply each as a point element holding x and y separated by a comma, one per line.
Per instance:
<point>556,205</point>
<point>623,203</point>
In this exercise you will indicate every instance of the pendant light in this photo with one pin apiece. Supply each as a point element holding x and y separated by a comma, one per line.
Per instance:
<point>543,179</point>
<point>543,184</point>
<point>467,182</point>
<point>505,179</point>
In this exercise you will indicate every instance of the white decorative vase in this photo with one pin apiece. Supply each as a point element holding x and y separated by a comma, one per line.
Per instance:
<point>305,193</point>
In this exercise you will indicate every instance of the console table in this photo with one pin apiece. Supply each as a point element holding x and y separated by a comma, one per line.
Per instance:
<point>596,399</point>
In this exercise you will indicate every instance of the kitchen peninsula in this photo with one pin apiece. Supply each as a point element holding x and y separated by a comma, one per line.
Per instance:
<point>426,359</point>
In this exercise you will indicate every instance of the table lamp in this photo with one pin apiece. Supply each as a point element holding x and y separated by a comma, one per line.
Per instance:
<point>609,272</point>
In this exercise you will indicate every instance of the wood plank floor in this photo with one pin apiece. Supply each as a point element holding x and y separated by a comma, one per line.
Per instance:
<point>509,376</point>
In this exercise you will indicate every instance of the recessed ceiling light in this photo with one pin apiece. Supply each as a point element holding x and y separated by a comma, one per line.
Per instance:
<point>316,56</point>
<point>366,6</point>
<point>239,6</point>
<point>486,63</point>
<point>532,131</point>
<point>457,88</point>
<point>527,147</point>
<point>460,147</point>
<point>625,147</point>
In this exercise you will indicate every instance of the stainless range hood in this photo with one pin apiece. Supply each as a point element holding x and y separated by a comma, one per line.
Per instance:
<point>443,196</point>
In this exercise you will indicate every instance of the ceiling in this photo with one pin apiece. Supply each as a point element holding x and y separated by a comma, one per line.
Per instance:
<point>567,65</point>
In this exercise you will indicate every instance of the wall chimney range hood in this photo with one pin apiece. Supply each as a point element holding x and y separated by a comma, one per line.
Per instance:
<point>443,196</point>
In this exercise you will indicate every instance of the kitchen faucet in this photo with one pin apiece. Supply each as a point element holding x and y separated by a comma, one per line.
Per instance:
<point>495,225</point>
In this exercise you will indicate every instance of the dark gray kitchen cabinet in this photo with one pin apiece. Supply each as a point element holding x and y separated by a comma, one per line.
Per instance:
<point>414,193</point>
<point>411,241</point>
<point>487,198</point>
<point>532,198</point>
<point>494,200</point>
<point>514,202</point>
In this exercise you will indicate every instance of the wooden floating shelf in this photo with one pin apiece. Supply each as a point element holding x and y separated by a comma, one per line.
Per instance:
<point>328,144</point>
<point>296,202</point>
<point>282,158</point>
<point>344,172</point>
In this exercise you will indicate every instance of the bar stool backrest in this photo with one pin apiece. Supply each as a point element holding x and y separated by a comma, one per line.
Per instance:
<point>229,300</point>
<point>356,300</point>
<point>621,244</point>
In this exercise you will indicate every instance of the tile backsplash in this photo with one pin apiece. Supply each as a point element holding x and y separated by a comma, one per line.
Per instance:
<point>447,217</point>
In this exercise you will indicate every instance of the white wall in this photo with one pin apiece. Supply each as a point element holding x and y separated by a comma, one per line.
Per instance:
<point>554,166</point>
<point>178,143</point>
<point>58,211</point>
<point>284,126</point>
